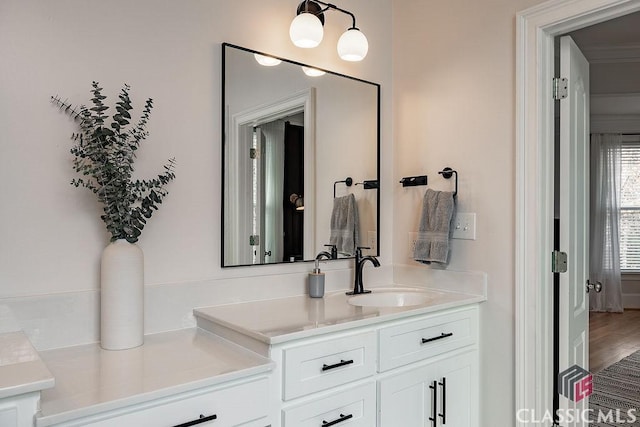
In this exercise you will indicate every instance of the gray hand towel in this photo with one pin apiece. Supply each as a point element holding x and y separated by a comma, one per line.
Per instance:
<point>432,244</point>
<point>345,225</point>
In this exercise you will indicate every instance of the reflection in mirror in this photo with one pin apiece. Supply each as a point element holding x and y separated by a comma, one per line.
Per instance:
<point>290,133</point>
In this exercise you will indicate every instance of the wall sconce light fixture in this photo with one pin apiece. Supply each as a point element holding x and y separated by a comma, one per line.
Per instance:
<point>306,30</point>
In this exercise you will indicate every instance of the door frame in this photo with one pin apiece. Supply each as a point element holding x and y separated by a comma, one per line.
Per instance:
<point>302,101</point>
<point>536,29</point>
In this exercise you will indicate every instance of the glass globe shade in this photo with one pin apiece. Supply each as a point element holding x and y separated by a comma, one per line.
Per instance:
<point>312,72</point>
<point>306,30</point>
<point>267,61</point>
<point>353,45</point>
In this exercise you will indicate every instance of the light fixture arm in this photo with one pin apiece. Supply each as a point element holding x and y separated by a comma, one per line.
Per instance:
<point>334,7</point>
<point>306,30</point>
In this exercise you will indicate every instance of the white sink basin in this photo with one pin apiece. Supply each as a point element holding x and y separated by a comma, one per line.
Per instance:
<point>391,298</point>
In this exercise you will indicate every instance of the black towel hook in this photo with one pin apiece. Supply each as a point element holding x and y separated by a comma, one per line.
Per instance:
<point>369,184</point>
<point>447,173</point>
<point>348,182</point>
<point>413,181</point>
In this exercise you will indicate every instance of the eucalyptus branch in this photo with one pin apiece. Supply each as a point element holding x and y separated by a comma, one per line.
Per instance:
<point>104,154</point>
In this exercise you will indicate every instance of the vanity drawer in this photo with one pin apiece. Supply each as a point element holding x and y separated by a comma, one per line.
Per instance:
<point>416,340</point>
<point>228,405</point>
<point>324,364</point>
<point>355,407</point>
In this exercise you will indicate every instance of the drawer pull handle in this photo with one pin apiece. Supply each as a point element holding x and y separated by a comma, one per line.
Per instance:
<point>326,367</point>
<point>200,420</point>
<point>434,402</point>
<point>336,421</point>
<point>439,337</point>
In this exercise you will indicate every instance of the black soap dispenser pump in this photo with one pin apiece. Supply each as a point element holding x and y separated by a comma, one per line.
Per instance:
<point>316,282</point>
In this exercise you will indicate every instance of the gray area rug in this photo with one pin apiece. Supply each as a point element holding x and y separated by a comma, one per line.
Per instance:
<point>616,394</point>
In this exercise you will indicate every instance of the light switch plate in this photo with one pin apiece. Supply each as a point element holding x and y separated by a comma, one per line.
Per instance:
<point>464,226</point>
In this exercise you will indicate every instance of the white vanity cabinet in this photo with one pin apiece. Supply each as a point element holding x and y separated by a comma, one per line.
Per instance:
<point>418,371</point>
<point>337,364</point>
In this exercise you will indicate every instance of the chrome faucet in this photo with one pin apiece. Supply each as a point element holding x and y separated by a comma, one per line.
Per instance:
<point>358,287</point>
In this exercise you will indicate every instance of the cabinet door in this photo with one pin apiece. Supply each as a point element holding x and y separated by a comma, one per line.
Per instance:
<point>438,394</point>
<point>458,396</point>
<point>406,399</point>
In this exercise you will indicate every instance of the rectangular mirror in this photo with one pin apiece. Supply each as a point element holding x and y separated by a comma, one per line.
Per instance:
<point>292,141</point>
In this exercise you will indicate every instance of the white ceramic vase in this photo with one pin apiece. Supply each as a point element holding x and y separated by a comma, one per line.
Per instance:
<point>121,296</point>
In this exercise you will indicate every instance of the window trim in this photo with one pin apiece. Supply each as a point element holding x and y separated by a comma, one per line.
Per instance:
<point>629,139</point>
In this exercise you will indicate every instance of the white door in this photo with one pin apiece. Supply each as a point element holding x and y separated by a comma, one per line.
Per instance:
<point>574,228</point>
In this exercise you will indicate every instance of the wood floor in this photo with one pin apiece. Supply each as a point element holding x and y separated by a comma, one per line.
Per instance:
<point>612,336</point>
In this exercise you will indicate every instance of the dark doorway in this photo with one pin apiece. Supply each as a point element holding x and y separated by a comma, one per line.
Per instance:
<point>293,218</point>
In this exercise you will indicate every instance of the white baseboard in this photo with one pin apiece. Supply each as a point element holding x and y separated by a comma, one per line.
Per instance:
<point>631,301</point>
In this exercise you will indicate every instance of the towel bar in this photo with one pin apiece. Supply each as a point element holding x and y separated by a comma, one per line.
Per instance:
<point>447,173</point>
<point>348,182</point>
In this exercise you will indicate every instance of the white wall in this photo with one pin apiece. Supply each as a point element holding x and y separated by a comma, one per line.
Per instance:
<point>454,102</point>
<point>167,50</point>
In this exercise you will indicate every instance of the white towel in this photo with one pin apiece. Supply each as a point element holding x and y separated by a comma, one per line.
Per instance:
<point>345,225</point>
<point>432,244</point>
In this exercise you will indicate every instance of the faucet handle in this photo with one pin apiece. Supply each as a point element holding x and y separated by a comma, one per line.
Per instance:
<point>334,251</point>
<point>360,248</point>
<point>359,251</point>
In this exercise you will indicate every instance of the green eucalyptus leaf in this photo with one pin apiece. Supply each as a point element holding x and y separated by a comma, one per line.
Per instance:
<point>104,155</point>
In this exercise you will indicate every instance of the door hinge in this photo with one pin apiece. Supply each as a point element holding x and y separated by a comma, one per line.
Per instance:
<point>253,153</point>
<point>560,88</point>
<point>558,262</point>
<point>254,240</point>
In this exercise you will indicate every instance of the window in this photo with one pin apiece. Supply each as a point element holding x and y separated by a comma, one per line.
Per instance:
<point>630,204</point>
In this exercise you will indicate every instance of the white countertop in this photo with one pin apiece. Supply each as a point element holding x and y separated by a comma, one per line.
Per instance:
<point>21,369</point>
<point>280,320</point>
<point>90,380</point>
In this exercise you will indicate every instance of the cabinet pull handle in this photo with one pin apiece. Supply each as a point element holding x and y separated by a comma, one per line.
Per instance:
<point>434,401</point>
<point>443,415</point>
<point>336,421</point>
<point>326,367</point>
<point>200,420</point>
<point>439,337</point>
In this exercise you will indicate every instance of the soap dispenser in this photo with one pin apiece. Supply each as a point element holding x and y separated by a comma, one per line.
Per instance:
<point>316,282</point>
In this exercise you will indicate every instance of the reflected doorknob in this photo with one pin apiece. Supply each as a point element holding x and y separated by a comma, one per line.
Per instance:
<point>597,286</point>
